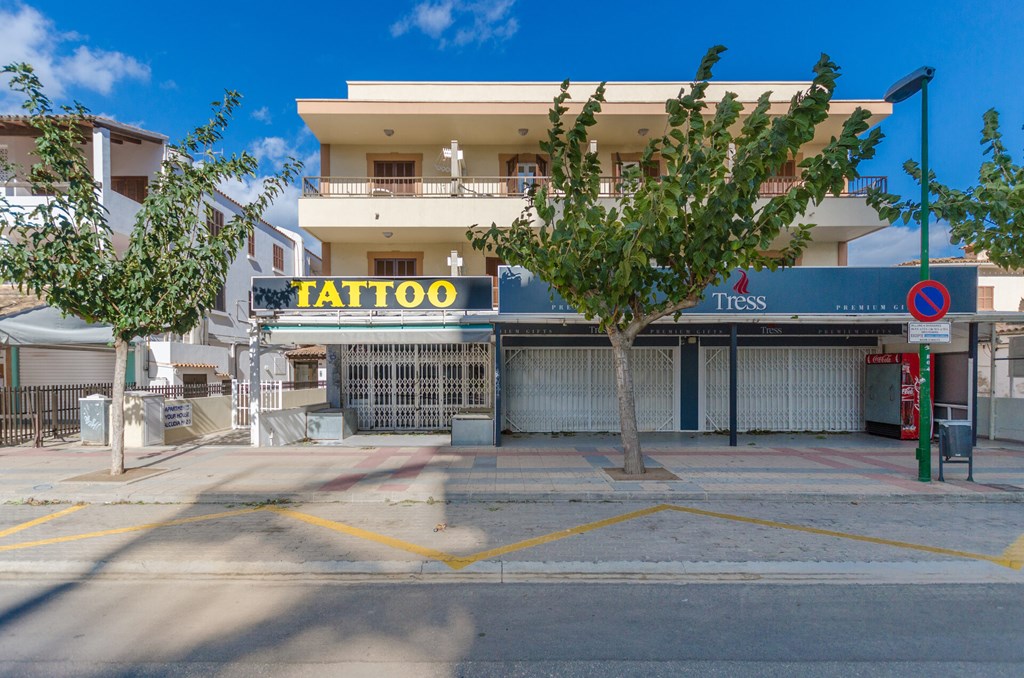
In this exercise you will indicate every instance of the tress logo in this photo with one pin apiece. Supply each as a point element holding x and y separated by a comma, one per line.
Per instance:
<point>743,300</point>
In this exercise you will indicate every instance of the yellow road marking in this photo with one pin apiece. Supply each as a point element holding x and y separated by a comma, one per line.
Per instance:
<point>561,534</point>
<point>1015,553</point>
<point>363,534</point>
<point>998,560</point>
<point>459,562</point>
<point>1012,558</point>
<point>123,530</point>
<point>40,521</point>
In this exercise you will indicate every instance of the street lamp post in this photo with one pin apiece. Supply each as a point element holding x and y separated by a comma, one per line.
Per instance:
<point>900,91</point>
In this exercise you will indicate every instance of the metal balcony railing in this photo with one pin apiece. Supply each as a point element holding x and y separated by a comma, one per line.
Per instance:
<point>515,187</point>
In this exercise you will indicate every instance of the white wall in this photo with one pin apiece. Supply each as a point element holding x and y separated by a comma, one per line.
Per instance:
<point>1009,418</point>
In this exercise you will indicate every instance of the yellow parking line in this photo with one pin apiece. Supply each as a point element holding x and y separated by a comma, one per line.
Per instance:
<point>1012,557</point>
<point>40,521</point>
<point>1015,553</point>
<point>460,562</point>
<point>561,534</point>
<point>998,560</point>
<point>364,534</point>
<point>123,530</point>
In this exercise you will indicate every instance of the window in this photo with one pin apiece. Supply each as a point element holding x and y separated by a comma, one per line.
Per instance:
<point>523,171</point>
<point>6,173</point>
<point>220,301</point>
<point>624,162</point>
<point>252,244</point>
<point>986,298</point>
<point>278,258</point>
<point>395,267</point>
<point>134,188</point>
<point>397,177</point>
<point>214,222</point>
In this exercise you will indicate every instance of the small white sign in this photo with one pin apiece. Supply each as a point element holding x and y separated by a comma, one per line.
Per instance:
<point>177,414</point>
<point>928,333</point>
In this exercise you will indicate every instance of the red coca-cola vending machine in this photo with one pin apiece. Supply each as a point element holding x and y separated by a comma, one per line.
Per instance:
<point>892,390</point>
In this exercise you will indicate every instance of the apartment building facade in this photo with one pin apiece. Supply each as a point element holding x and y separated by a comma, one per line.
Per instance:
<point>407,167</point>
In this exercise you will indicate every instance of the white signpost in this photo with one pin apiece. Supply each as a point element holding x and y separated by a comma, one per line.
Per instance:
<point>928,333</point>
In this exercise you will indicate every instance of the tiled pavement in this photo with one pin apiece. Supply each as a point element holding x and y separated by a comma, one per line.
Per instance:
<point>418,468</point>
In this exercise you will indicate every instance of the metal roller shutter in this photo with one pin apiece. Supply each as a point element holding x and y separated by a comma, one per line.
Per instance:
<point>787,389</point>
<point>49,366</point>
<point>573,389</point>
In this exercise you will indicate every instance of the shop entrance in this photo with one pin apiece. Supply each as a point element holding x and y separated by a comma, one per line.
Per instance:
<point>414,387</point>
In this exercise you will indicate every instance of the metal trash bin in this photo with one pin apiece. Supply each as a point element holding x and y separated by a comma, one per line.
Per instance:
<point>94,419</point>
<point>956,446</point>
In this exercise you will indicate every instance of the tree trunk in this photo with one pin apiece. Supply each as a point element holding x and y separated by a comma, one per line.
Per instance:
<point>117,408</point>
<point>633,462</point>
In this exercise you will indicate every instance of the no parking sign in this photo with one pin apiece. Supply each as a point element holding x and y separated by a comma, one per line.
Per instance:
<point>928,301</point>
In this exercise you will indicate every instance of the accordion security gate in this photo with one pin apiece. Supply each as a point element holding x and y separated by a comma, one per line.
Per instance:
<point>573,389</point>
<point>414,387</point>
<point>787,389</point>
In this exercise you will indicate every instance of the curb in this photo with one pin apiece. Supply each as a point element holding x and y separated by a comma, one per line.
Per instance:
<point>1000,497</point>
<point>504,572</point>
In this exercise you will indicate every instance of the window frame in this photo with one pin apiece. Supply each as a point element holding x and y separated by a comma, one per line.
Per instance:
<point>277,260</point>
<point>373,257</point>
<point>986,293</point>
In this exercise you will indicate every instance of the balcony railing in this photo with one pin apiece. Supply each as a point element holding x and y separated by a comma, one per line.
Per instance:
<point>514,187</point>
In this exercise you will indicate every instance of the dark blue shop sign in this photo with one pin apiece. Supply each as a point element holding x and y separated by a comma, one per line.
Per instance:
<point>457,293</point>
<point>762,329</point>
<point>791,291</point>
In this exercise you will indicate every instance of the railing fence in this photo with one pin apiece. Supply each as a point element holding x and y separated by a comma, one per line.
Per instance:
<point>271,399</point>
<point>498,187</point>
<point>37,413</point>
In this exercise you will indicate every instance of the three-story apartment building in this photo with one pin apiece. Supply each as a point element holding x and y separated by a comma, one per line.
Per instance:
<point>407,167</point>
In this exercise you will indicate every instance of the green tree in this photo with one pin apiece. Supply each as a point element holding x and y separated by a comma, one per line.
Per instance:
<point>988,216</point>
<point>652,251</point>
<point>173,267</point>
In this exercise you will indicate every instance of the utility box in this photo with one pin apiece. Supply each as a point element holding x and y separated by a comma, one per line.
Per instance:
<point>94,419</point>
<point>956,445</point>
<point>473,429</point>
<point>143,419</point>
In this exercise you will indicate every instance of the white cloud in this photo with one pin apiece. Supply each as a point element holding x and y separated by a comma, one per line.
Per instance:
<point>262,114</point>
<point>473,22</point>
<point>28,36</point>
<point>897,244</point>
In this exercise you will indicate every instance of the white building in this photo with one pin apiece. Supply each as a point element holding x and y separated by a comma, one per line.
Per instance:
<point>123,160</point>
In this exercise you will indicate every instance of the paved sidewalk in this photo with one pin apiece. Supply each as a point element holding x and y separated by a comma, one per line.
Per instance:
<point>395,468</point>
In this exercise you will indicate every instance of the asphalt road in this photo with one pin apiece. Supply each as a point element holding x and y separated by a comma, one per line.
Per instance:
<point>289,627</point>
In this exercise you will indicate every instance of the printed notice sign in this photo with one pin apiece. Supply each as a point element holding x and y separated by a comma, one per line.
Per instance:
<point>928,333</point>
<point>177,414</point>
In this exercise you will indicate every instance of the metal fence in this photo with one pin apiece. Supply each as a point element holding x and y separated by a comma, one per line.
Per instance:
<point>36,413</point>
<point>32,413</point>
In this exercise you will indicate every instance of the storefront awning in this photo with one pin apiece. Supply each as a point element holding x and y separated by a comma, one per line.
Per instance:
<point>376,334</point>
<point>47,326</point>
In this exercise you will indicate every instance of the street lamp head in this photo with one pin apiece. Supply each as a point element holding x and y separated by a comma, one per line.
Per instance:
<point>909,85</point>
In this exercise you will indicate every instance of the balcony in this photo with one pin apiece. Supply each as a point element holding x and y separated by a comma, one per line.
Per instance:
<point>511,187</point>
<point>402,211</point>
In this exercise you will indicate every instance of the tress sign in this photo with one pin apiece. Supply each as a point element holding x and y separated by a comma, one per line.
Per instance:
<point>461,293</point>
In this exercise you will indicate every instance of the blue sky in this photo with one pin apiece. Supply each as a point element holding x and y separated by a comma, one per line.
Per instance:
<point>159,64</point>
